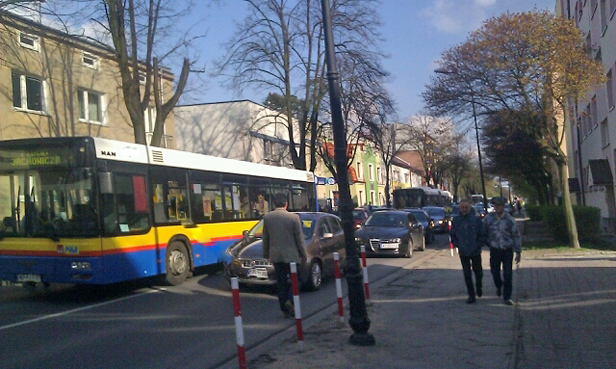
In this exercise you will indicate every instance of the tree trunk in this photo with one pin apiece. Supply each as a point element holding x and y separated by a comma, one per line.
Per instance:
<point>567,207</point>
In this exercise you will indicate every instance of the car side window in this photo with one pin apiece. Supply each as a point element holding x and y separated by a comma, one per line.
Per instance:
<point>334,225</point>
<point>323,228</point>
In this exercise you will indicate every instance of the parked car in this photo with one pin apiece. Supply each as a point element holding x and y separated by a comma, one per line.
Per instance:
<point>391,233</point>
<point>323,236</point>
<point>424,218</point>
<point>359,217</point>
<point>438,215</point>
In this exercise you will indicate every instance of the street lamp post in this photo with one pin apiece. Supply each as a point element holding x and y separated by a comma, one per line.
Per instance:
<point>483,184</point>
<point>358,321</point>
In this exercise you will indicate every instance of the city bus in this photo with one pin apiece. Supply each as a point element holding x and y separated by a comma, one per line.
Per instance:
<point>418,197</point>
<point>94,211</point>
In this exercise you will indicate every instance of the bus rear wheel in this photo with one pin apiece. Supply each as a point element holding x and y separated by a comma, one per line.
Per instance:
<point>177,263</point>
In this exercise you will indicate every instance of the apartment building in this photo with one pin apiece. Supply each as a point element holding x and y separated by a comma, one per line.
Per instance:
<point>591,124</point>
<point>56,84</point>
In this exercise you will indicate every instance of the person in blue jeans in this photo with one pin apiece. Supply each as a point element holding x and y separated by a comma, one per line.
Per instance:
<point>469,235</point>
<point>504,239</point>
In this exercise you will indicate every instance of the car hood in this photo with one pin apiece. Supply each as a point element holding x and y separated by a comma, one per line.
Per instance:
<point>380,232</point>
<point>251,248</point>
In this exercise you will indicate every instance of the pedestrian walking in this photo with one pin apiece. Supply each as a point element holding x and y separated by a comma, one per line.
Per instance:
<point>504,239</point>
<point>468,234</point>
<point>283,243</point>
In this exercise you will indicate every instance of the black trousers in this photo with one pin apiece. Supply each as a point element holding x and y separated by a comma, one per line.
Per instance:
<point>502,257</point>
<point>283,281</point>
<point>474,263</point>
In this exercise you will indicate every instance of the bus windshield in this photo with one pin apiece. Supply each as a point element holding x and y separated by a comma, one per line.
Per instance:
<point>48,203</point>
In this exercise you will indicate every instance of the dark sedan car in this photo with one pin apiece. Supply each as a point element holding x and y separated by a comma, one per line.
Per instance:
<point>391,233</point>
<point>323,236</point>
<point>359,217</point>
<point>424,218</point>
<point>438,215</point>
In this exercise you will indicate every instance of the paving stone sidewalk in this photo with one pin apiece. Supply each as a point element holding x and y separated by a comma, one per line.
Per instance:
<point>564,317</point>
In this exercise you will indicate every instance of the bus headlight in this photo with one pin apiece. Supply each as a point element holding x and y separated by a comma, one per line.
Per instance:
<point>81,265</point>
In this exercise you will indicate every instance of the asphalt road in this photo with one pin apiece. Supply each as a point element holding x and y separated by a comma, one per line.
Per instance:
<point>145,325</point>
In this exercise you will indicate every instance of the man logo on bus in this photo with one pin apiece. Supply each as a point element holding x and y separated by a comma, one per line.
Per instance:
<point>71,250</point>
<point>108,153</point>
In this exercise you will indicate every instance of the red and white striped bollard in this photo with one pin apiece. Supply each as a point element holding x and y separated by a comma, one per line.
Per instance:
<point>365,273</point>
<point>338,286</point>
<point>298,310</point>
<point>239,330</point>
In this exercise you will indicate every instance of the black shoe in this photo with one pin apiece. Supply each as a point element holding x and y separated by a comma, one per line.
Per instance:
<point>471,300</point>
<point>290,312</point>
<point>479,292</point>
<point>508,302</point>
<point>498,291</point>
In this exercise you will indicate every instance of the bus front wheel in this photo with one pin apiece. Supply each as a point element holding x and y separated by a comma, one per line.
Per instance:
<point>177,264</point>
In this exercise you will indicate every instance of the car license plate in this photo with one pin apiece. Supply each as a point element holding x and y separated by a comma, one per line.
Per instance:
<point>389,246</point>
<point>258,273</point>
<point>28,278</point>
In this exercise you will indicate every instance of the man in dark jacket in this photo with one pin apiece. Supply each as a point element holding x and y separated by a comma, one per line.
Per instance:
<point>468,235</point>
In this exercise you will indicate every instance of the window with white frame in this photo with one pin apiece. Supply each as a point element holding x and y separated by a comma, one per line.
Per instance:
<point>360,171</point>
<point>372,198</point>
<point>29,41</point>
<point>28,92</point>
<point>89,60</point>
<point>360,198</point>
<point>91,106</point>
<point>379,175</point>
<point>371,172</point>
<point>605,133</point>
<point>407,178</point>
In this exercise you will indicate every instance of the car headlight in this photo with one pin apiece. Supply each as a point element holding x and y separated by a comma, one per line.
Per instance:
<point>440,221</point>
<point>394,240</point>
<point>358,239</point>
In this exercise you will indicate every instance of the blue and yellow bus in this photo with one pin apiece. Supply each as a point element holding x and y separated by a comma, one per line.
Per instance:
<point>94,211</point>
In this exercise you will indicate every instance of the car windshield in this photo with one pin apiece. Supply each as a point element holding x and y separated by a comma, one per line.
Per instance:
<point>386,219</point>
<point>439,212</point>
<point>306,220</point>
<point>420,215</point>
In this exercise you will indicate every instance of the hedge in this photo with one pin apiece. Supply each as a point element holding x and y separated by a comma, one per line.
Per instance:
<point>587,219</point>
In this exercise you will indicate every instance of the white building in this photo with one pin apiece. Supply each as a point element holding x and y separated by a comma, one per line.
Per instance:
<point>592,125</point>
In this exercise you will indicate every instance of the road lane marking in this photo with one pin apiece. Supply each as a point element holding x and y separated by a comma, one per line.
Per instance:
<point>51,316</point>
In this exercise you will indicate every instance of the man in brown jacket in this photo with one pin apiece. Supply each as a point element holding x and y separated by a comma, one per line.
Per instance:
<point>283,243</point>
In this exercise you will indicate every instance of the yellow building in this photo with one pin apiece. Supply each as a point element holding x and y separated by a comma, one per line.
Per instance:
<point>55,84</point>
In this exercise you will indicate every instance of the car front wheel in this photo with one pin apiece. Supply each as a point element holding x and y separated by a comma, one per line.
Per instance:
<point>409,249</point>
<point>315,278</point>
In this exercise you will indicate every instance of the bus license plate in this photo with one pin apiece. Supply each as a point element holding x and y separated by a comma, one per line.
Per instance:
<point>258,273</point>
<point>28,278</point>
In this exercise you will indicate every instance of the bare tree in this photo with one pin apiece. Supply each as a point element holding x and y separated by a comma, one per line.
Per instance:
<point>433,139</point>
<point>279,48</point>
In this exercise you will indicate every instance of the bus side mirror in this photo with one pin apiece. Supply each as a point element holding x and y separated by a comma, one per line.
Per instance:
<point>105,182</point>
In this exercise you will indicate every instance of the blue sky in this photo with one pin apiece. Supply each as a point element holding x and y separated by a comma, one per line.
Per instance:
<point>416,32</point>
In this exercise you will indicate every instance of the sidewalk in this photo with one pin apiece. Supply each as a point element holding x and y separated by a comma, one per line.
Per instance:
<point>564,317</point>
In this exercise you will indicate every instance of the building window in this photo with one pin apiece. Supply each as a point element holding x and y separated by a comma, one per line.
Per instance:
<point>372,198</point>
<point>594,112</point>
<point>89,60</point>
<point>407,178</point>
<point>379,175</point>
<point>360,198</point>
<point>371,172</point>
<point>29,41</point>
<point>605,133</point>
<point>28,92</point>
<point>609,88</point>
<point>360,171</point>
<point>91,107</point>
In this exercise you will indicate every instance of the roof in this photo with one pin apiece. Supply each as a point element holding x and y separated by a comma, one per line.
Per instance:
<point>413,158</point>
